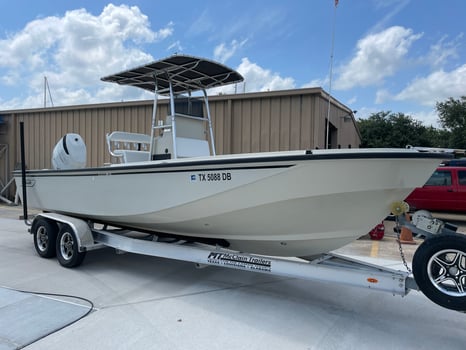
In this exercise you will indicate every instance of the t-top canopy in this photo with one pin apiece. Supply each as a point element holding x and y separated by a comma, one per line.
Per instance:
<point>186,73</point>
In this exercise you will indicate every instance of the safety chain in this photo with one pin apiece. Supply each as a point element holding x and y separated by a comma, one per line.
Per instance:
<point>400,248</point>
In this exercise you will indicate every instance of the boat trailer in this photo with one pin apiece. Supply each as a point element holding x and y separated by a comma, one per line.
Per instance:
<point>439,265</point>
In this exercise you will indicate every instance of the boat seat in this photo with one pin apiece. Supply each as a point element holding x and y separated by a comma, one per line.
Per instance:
<point>128,146</point>
<point>128,156</point>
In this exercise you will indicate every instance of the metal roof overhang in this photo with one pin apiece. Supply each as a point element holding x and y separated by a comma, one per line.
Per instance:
<point>186,73</point>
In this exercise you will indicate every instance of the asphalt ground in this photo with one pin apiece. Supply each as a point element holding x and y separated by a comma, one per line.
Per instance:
<point>142,302</point>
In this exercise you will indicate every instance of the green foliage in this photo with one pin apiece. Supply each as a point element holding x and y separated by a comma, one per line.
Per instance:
<point>452,116</point>
<point>386,129</point>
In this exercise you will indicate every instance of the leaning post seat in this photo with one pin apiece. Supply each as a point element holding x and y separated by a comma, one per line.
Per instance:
<point>129,147</point>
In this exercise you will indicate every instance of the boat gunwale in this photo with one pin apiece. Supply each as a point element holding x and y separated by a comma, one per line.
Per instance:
<point>192,164</point>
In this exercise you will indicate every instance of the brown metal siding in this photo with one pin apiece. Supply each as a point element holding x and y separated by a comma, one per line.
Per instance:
<point>275,124</point>
<point>220,126</point>
<point>44,129</point>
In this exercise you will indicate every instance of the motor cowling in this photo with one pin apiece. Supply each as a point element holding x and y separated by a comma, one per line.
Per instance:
<point>69,152</point>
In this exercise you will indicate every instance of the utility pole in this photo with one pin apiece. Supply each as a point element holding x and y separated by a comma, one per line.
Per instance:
<point>330,76</point>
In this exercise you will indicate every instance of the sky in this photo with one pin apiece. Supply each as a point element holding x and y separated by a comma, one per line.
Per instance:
<point>402,56</point>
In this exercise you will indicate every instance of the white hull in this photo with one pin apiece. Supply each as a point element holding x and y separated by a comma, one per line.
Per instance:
<point>287,204</point>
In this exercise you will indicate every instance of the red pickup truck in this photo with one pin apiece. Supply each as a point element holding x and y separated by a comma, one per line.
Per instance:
<point>444,191</point>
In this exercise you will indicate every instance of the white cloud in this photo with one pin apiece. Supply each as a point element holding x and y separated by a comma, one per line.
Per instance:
<point>74,51</point>
<point>175,47</point>
<point>352,101</point>
<point>382,95</point>
<point>202,25</point>
<point>29,46</point>
<point>394,7</point>
<point>444,50</point>
<point>428,117</point>
<point>102,44</point>
<point>365,112</point>
<point>260,79</point>
<point>436,87</point>
<point>256,79</point>
<point>317,83</point>
<point>10,78</point>
<point>164,33</point>
<point>223,52</point>
<point>378,56</point>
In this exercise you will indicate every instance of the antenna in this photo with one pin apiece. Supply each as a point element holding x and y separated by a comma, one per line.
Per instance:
<point>330,76</point>
<point>47,87</point>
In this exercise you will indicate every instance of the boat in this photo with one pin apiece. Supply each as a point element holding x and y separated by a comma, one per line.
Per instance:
<point>171,182</point>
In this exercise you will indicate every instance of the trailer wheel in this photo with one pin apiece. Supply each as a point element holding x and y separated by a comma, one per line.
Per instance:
<point>439,268</point>
<point>68,254</point>
<point>45,236</point>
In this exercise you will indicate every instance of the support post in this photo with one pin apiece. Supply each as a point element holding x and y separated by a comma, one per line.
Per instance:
<point>211,132</point>
<point>154,120</point>
<point>23,173</point>
<point>172,112</point>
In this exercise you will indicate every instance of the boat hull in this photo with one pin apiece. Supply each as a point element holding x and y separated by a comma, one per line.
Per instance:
<point>284,204</point>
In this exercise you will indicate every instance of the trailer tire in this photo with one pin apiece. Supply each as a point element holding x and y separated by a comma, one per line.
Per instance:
<point>67,249</point>
<point>439,268</point>
<point>45,236</point>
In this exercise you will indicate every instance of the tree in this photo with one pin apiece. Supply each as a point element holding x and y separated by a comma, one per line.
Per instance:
<point>374,130</point>
<point>452,116</point>
<point>387,129</point>
<point>438,137</point>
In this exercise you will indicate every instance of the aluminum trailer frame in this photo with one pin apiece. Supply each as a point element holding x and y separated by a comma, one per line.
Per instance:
<point>328,268</point>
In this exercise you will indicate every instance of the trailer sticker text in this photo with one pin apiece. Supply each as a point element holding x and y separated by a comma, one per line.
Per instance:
<point>244,262</point>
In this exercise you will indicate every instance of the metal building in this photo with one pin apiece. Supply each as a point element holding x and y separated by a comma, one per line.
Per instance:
<point>248,122</point>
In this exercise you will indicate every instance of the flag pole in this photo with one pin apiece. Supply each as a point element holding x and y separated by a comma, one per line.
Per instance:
<point>330,75</point>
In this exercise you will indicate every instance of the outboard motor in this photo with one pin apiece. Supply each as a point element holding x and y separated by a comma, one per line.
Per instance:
<point>69,153</point>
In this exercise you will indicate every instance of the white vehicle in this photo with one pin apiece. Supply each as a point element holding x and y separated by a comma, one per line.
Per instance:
<point>292,204</point>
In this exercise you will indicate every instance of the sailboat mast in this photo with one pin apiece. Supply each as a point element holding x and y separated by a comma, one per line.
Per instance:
<point>47,87</point>
<point>45,91</point>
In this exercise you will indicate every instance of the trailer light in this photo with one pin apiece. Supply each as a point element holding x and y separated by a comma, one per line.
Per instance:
<point>372,280</point>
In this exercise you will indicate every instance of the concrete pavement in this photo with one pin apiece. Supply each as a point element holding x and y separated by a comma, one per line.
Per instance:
<point>144,302</point>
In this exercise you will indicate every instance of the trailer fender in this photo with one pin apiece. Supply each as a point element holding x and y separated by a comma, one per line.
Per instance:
<point>79,226</point>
